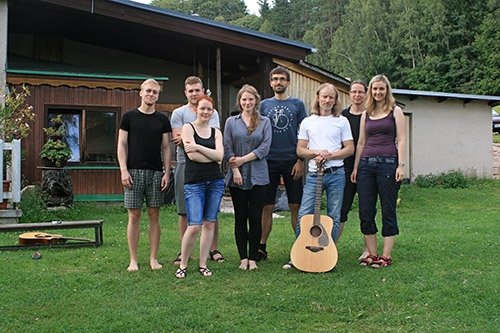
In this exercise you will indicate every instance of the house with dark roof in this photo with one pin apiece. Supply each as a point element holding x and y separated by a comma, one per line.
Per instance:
<point>85,59</point>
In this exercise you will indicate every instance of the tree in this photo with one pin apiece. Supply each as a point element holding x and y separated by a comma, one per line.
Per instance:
<point>221,10</point>
<point>487,43</point>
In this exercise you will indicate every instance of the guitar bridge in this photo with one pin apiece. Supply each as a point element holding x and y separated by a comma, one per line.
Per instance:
<point>314,248</point>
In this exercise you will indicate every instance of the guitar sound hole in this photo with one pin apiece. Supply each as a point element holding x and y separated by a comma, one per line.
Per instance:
<point>315,231</point>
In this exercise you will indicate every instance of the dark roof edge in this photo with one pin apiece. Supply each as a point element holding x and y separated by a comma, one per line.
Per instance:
<point>445,95</point>
<point>324,72</point>
<point>74,74</point>
<point>221,25</point>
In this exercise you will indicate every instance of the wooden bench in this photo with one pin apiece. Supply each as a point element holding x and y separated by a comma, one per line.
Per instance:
<point>56,225</point>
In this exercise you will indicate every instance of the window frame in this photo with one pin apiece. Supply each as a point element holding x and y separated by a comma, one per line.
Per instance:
<point>82,111</point>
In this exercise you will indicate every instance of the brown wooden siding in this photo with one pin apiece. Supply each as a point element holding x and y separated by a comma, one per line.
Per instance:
<point>100,181</point>
<point>44,95</point>
<point>304,82</point>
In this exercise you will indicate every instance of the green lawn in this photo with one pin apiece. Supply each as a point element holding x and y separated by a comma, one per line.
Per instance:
<point>496,138</point>
<point>445,277</point>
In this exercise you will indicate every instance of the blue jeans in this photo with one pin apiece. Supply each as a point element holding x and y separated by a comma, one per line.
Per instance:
<point>377,177</point>
<point>333,183</point>
<point>203,201</point>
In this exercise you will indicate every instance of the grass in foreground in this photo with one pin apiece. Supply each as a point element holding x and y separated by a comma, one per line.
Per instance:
<point>445,277</point>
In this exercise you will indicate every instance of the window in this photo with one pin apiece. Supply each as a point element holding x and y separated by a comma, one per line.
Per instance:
<point>91,132</point>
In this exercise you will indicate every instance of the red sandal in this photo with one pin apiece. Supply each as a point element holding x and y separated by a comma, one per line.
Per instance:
<point>381,262</point>
<point>368,260</point>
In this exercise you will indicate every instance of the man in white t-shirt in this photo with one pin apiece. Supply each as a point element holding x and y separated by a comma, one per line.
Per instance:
<point>325,139</point>
<point>193,89</point>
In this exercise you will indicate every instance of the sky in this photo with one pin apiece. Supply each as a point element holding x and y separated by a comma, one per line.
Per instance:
<point>252,5</point>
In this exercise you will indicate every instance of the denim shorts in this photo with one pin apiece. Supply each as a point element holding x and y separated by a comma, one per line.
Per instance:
<point>146,184</point>
<point>203,201</point>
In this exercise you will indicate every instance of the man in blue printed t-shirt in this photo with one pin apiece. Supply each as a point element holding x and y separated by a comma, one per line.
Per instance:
<point>286,113</point>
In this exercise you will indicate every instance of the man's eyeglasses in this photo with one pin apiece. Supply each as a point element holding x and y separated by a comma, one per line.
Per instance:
<point>275,78</point>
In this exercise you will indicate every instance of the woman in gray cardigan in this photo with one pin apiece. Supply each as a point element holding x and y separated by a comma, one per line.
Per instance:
<point>247,138</point>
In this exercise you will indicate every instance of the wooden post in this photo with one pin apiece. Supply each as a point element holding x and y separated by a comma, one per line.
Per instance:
<point>219,84</point>
<point>266,65</point>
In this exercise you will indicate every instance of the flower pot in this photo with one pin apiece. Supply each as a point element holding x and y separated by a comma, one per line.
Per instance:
<point>48,163</point>
<point>6,188</point>
<point>56,137</point>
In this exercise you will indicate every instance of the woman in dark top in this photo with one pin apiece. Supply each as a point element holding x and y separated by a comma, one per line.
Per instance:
<point>247,138</point>
<point>379,168</point>
<point>203,184</point>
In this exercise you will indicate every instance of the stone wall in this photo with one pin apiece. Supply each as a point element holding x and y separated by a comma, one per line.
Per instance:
<point>496,161</point>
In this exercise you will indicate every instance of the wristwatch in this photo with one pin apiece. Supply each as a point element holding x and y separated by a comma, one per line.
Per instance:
<point>402,163</point>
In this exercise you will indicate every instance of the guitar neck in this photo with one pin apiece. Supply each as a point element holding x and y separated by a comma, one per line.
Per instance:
<point>76,238</point>
<point>317,200</point>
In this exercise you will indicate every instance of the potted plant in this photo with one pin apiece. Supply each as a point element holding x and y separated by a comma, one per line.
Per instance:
<point>55,152</point>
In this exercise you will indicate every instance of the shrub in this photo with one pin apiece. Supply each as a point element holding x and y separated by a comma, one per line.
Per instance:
<point>450,179</point>
<point>425,181</point>
<point>453,179</point>
<point>34,205</point>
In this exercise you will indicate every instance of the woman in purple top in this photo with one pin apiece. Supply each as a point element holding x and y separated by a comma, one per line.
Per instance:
<point>379,168</point>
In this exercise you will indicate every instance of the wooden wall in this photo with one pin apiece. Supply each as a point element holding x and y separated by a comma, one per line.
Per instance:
<point>304,82</point>
<point>85,181</point>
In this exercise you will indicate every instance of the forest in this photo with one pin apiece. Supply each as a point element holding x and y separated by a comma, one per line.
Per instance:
<point>434,45</point>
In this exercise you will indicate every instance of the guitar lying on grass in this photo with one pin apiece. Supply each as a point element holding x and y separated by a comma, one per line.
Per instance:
<point>44,238</point>
<point>314,250</point>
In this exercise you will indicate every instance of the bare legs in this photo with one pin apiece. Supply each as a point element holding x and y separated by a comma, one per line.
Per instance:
<point>133,232</point>
<point>365,252</point>
<point>215,243</point>
<point>134,218</point>
<point>189,240</point>
<point>267,220</point>
<point>371,243</point>
<point>294,215</point>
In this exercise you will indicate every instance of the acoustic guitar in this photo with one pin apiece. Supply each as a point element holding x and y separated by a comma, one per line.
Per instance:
<point>44,238</point>
<point>314,250</point>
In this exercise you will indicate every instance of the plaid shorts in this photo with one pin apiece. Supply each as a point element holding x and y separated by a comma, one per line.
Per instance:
<point>146,183</point>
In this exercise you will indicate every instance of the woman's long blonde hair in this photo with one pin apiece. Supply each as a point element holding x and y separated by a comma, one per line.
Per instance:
<point>254,118</point>
<point>389,99</point>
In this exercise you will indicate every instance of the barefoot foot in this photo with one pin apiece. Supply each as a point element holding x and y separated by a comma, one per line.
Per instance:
<point>244,264</point>
<point>155,264</point>
<point>133,266</point>
<point>252,264</point>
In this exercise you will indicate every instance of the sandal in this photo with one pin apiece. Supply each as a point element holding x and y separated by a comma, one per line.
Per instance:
<point>219,259</point>
<point>177,260</point>
<point>368,261</point>
<point>180,273</point>
<point>261,255</point>
<point>381,262</point>
<point>205,271</point>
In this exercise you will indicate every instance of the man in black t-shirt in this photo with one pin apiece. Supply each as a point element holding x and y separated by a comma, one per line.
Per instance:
<point>357,93</point>
<point>143,138</point>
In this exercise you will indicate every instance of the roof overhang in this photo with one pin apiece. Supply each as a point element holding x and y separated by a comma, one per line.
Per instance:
<point>441,96</point>
<point>151,31</point>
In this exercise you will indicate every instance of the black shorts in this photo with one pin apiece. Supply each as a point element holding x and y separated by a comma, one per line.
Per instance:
<point>278,169</point>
